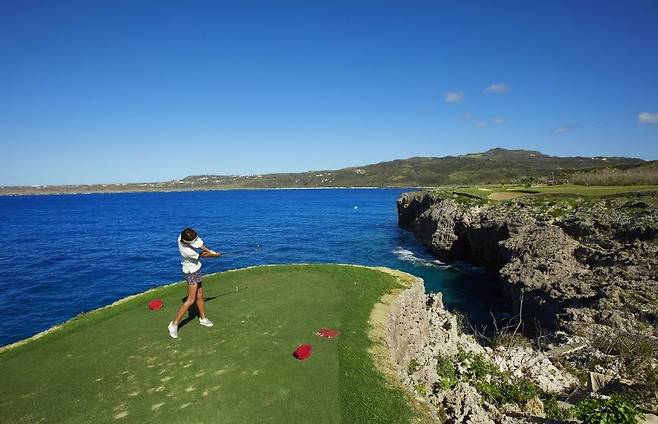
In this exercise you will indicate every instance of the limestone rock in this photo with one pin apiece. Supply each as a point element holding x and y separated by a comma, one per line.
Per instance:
<point>534,407</point>
<point>421,330</point>
<point>597,381</point>
<point>587,266</point>
<point>529,363</point>
<point>463,405</point>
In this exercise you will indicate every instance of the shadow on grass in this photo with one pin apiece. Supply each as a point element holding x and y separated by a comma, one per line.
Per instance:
<point>193,312</point>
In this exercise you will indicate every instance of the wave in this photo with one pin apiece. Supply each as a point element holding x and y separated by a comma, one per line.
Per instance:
<point>408,256</point>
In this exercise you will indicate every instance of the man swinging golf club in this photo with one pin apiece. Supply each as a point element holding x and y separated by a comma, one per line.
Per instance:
<point>188,241</point>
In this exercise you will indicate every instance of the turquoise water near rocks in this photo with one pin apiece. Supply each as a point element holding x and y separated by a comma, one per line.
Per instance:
<point>68,254</point>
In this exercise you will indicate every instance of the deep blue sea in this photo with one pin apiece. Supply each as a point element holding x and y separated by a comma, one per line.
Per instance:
<point>68,254</point>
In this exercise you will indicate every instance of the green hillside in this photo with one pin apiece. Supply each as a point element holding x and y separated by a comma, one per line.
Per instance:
<point>491,167</point>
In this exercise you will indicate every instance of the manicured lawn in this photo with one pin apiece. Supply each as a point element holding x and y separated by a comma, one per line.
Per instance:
<point>497,192</point>
<point>118,364</point>
<point>592,190</point>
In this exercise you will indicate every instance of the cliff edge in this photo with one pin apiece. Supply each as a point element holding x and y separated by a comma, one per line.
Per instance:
<point>581,265</point>
<point>580,271</point>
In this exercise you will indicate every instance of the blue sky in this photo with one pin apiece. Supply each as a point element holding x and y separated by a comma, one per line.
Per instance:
<point>151,91</point>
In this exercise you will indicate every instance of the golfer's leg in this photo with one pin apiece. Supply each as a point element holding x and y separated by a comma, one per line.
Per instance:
<point>191,297</point>
<point>200,304</point>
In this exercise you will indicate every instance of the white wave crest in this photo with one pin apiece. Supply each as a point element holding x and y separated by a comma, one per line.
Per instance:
<point>408,256</point>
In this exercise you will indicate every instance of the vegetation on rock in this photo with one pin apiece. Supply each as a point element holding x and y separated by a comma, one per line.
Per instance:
<point>606,411</point>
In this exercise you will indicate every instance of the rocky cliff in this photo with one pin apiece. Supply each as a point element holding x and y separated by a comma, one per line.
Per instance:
<point>460,380</point>
<point>587,266</point>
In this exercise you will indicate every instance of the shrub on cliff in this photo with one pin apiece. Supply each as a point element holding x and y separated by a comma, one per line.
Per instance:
<point>608,411</point>
<point>494,386</point>
<point>445,367</point>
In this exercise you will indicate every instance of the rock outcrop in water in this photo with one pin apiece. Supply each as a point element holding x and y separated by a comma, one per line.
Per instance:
<point>586,266</point>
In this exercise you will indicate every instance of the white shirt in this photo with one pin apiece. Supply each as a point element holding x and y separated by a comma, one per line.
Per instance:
<point>190,262</point>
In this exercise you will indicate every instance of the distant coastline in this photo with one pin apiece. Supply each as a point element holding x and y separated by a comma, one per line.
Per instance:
<point>29,191</point>
<point>495,166</point>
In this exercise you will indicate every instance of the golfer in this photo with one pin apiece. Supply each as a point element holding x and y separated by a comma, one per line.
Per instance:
<point>188,241</point>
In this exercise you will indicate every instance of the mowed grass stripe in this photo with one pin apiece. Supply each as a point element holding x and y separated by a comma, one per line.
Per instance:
<point>119,365</point>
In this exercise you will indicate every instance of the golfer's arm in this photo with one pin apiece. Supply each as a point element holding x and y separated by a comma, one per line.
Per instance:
<point>212,253</point>
<point>206,249</point>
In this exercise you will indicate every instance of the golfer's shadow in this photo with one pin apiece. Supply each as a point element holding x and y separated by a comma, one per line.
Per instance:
<point>193,312</point>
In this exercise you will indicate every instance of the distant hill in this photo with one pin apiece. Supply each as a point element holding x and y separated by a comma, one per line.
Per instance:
<point>493,166</point>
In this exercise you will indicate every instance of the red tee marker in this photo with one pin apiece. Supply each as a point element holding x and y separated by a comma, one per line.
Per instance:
<point>156,304</point>
<point>303,352</point>
<point>327,333</point>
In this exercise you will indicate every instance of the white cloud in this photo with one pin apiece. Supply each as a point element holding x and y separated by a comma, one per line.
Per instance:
<point>564,129</point>
<point>499,87</point>
<point>499,120</point>
<point>480,124</point>
<point>648,118</point>
<point>453,96</point>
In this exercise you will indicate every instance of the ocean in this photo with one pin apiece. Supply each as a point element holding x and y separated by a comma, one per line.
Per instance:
<point>68,254</point>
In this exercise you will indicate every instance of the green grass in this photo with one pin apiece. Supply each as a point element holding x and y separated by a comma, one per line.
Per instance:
<point>592,190</point>
<point>483,191</point>
<point>118,364</point>
<point>478,191</point>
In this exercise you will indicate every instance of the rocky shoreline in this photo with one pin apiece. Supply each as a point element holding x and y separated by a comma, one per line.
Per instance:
<point>580,273</point>
<point>579,265</point>
<point>445,367</point>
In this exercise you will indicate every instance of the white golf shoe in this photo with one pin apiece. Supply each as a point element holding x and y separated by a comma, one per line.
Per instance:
<point>173,330</point>
<point>205,322</point>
